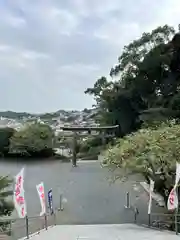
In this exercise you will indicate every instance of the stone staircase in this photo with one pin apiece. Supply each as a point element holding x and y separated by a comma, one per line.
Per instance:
<point>103,232</point>
<point>4,237</point>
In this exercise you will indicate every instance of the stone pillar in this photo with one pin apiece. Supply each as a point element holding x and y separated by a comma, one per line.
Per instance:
<point>103,138</point>
<point>74,160</point>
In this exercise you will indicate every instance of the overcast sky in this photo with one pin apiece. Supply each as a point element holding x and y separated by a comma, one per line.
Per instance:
<point>52,50</point>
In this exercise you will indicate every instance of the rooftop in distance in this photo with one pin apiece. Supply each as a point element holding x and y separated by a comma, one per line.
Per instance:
<point>75,128</point>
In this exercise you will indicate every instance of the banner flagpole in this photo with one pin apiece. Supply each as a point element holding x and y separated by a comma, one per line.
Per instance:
<point>151,189</point>
<point>176,214</point>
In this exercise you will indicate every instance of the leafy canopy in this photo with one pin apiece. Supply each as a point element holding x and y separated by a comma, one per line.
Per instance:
<point>34,137</point>
<point>147,80</point>
<point>151,153</point>
<point>6,205</point>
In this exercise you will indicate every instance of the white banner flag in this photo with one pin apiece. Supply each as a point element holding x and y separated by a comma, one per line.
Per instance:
<point>151,189</point>
<point>40,190</point>
<point>18,197</point>
<point>172,203</point>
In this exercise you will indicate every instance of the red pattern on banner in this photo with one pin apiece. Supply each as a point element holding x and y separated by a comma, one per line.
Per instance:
<point>23,211</point>
<point>19,181</point>
<point>42,195</point>
<point>17,190</point>
<point>171,197</point>
<point>18,186</point>
<point>20,200</point>
<point>41,189</point>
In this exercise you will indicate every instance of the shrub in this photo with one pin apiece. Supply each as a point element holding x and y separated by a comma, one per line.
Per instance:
<point>151,153</point>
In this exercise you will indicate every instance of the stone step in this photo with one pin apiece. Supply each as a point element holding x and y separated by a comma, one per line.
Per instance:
<point>4,237</point>
<point>103,232</point>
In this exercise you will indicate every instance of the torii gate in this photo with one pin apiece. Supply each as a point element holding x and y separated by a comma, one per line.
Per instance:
<point>75,130</point>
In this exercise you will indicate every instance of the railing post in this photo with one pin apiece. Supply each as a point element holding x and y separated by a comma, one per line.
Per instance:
<point>149,220</point>
<point>127,200</point>
<point>136,212</point>
<point>10,228</point>
<point>176,213</point>
<point>27,226</point>
<point>176,222</point>
<point>61,203</point>
<point>54,218</point>
<point>74,157</point>
<point>158,219</point>
<point>45,221</point>
<point>135,217</point>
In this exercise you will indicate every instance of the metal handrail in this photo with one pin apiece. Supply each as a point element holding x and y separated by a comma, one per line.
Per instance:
<point>16,219</point>
<point>162,221</point>
<point>168,221</point>
<point>27,224</point>
<point>28,221</point>
<point>164,214</point>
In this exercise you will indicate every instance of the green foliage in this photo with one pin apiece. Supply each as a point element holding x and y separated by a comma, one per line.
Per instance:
<point>148,80</point>
<point>91,142</point>
<point>145,96</point>
<point>33,138</point>
<point>90,148</point>
<point>66,141</point>
<point>5,135</point>
<point>49,116</point>
<point>15,115</point>
<point>87,110</point>
<point>6,206</point>
<point>152,153</point>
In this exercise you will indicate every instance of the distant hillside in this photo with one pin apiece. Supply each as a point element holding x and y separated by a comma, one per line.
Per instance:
<point>70,115</point>
<point>20,115</point>
<point>15,115</point>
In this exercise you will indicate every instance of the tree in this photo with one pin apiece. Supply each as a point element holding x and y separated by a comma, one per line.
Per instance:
<point>33,139</point>
<point>151,153</point>
<point>115,105</point>
<point>147,65</point>
<point>5,135</point>
<point>90,143</point>
<point>146,69</point>
<point>6,206</point>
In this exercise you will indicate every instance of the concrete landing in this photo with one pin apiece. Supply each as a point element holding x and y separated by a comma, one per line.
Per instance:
<point>103,232</point>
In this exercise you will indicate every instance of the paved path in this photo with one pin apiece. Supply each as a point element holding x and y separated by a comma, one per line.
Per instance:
<point>90,198</point>
<point>103,232</point>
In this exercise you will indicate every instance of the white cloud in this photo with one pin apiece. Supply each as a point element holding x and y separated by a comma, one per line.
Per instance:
<point>120,32</point>
<point>34,55</point>
<point>168,14</point>
<point>60,20</point>
<point>53,49</point>
<point>9,18</point>
<point>5,48</point>
<point>16,22</point>
<point>95,7</point>
<point>78,68</point>
<point>118,36</point>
